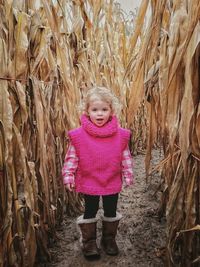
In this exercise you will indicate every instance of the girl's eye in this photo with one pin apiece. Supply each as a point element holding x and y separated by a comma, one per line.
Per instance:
<point>94,109</point>
<point>105,109</point>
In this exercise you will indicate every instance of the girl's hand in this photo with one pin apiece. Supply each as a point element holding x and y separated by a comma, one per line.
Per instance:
<point>70,187</point>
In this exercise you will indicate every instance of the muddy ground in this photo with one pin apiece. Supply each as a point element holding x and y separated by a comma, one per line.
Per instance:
<point>141,235</point>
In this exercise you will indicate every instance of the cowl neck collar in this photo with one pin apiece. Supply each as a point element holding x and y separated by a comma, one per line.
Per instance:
<point>109,129</point>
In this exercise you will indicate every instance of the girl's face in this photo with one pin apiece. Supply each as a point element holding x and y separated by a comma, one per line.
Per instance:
<point>99,112</point>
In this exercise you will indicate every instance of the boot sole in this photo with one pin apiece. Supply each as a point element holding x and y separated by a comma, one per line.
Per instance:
<point>111,254</point>
<point>92,257</point>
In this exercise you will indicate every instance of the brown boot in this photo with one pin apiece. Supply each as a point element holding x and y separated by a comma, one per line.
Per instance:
<point>88,237</point>
<point>108,242</point>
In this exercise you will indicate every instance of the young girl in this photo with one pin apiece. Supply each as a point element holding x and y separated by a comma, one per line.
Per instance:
<point>97,160</point>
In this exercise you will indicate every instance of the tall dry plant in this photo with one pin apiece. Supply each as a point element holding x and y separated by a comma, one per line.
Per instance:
<point>51,52</point>
<point>49,58</point>
<point>168,72</point>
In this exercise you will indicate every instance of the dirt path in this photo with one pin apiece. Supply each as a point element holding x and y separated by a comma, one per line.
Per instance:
<point>140,234</point>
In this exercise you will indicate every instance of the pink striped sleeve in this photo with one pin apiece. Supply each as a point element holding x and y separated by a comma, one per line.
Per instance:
<point>70,165</point>
<point>127,167</point>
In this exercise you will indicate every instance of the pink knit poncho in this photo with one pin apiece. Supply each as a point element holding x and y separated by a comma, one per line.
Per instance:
<point>99,150</point>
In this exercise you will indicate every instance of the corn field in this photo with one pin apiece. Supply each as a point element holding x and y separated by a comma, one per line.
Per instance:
<point>51,52</point>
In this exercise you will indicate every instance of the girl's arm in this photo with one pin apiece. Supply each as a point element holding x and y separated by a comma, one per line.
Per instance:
<point>69,167</point>
<point>127,167</point>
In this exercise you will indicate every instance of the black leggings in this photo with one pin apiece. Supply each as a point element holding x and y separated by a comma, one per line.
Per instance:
<point>92,205</point>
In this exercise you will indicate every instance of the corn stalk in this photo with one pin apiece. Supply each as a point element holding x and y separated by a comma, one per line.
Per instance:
<point>48,60</point>
<point>168,74</point>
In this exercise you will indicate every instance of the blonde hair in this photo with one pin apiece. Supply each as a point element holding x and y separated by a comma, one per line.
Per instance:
<point>103,94</point>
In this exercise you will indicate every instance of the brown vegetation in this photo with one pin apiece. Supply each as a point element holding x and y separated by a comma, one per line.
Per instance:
<point>50,53</point>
